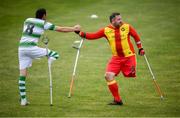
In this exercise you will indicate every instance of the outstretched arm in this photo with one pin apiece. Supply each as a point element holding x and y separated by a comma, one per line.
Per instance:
<point>92,36</point>
<point>67,29</point>
<point>50,26</point>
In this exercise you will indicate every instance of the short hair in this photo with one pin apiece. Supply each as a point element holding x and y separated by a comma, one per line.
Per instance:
<point>113,15</point>
<point>40,13</point>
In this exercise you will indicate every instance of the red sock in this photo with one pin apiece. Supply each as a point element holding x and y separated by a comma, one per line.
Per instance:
<point>113,87</point>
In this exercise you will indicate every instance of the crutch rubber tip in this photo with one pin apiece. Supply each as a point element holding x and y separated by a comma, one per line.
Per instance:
<point>162,98</point>
<point>51,104</point>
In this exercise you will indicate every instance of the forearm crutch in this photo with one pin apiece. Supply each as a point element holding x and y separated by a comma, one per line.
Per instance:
<point>154,79</point>
<point>75,66</point>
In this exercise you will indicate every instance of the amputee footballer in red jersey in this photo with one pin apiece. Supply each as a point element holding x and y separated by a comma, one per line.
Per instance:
<point>123,54</point>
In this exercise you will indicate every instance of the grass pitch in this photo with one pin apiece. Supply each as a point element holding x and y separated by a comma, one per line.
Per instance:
<point>157,22</point>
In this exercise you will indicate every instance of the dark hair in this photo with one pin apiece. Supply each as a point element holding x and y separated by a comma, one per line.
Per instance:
<point>113,15</point>
<point>40,13</point>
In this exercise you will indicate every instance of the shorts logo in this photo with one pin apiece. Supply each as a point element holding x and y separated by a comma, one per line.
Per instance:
<point>133,69</point>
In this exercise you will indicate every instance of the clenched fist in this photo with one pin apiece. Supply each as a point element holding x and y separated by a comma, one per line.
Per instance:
<point>77,27</point>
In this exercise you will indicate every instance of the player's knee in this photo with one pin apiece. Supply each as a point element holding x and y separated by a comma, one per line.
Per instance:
<point>23,72</point>
<point>109,76</point>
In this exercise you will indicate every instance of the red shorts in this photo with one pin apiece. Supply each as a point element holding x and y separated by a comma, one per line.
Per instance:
<point>125,64</point>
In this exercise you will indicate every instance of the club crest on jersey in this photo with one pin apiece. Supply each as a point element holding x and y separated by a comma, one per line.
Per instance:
<point>123,29</point>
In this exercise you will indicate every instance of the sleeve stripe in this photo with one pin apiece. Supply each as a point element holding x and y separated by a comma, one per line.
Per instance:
<point>139,42</point>
<point>52,27</point>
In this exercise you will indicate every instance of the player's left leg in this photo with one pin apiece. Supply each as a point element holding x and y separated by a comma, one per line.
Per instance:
<point>24,62</point>
<point>129,67</point>
<point>22,87</point>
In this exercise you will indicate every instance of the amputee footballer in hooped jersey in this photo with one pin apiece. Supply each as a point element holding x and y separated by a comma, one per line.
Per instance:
<point>123,60</point>
<point>28,50</point>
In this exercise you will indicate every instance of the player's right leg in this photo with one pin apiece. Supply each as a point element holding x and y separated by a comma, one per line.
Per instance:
<point>113,68</point>
<point>113,87</point>
<point>52,56</point>
<point>41,52</point>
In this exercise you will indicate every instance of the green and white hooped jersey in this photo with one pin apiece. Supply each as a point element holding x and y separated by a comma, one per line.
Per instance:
<point>32,31</point>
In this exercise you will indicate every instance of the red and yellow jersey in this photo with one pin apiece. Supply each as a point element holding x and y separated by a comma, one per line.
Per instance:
<point>118,38</point>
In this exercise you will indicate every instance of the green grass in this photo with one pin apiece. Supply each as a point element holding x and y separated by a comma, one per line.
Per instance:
<point>157,22</point>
